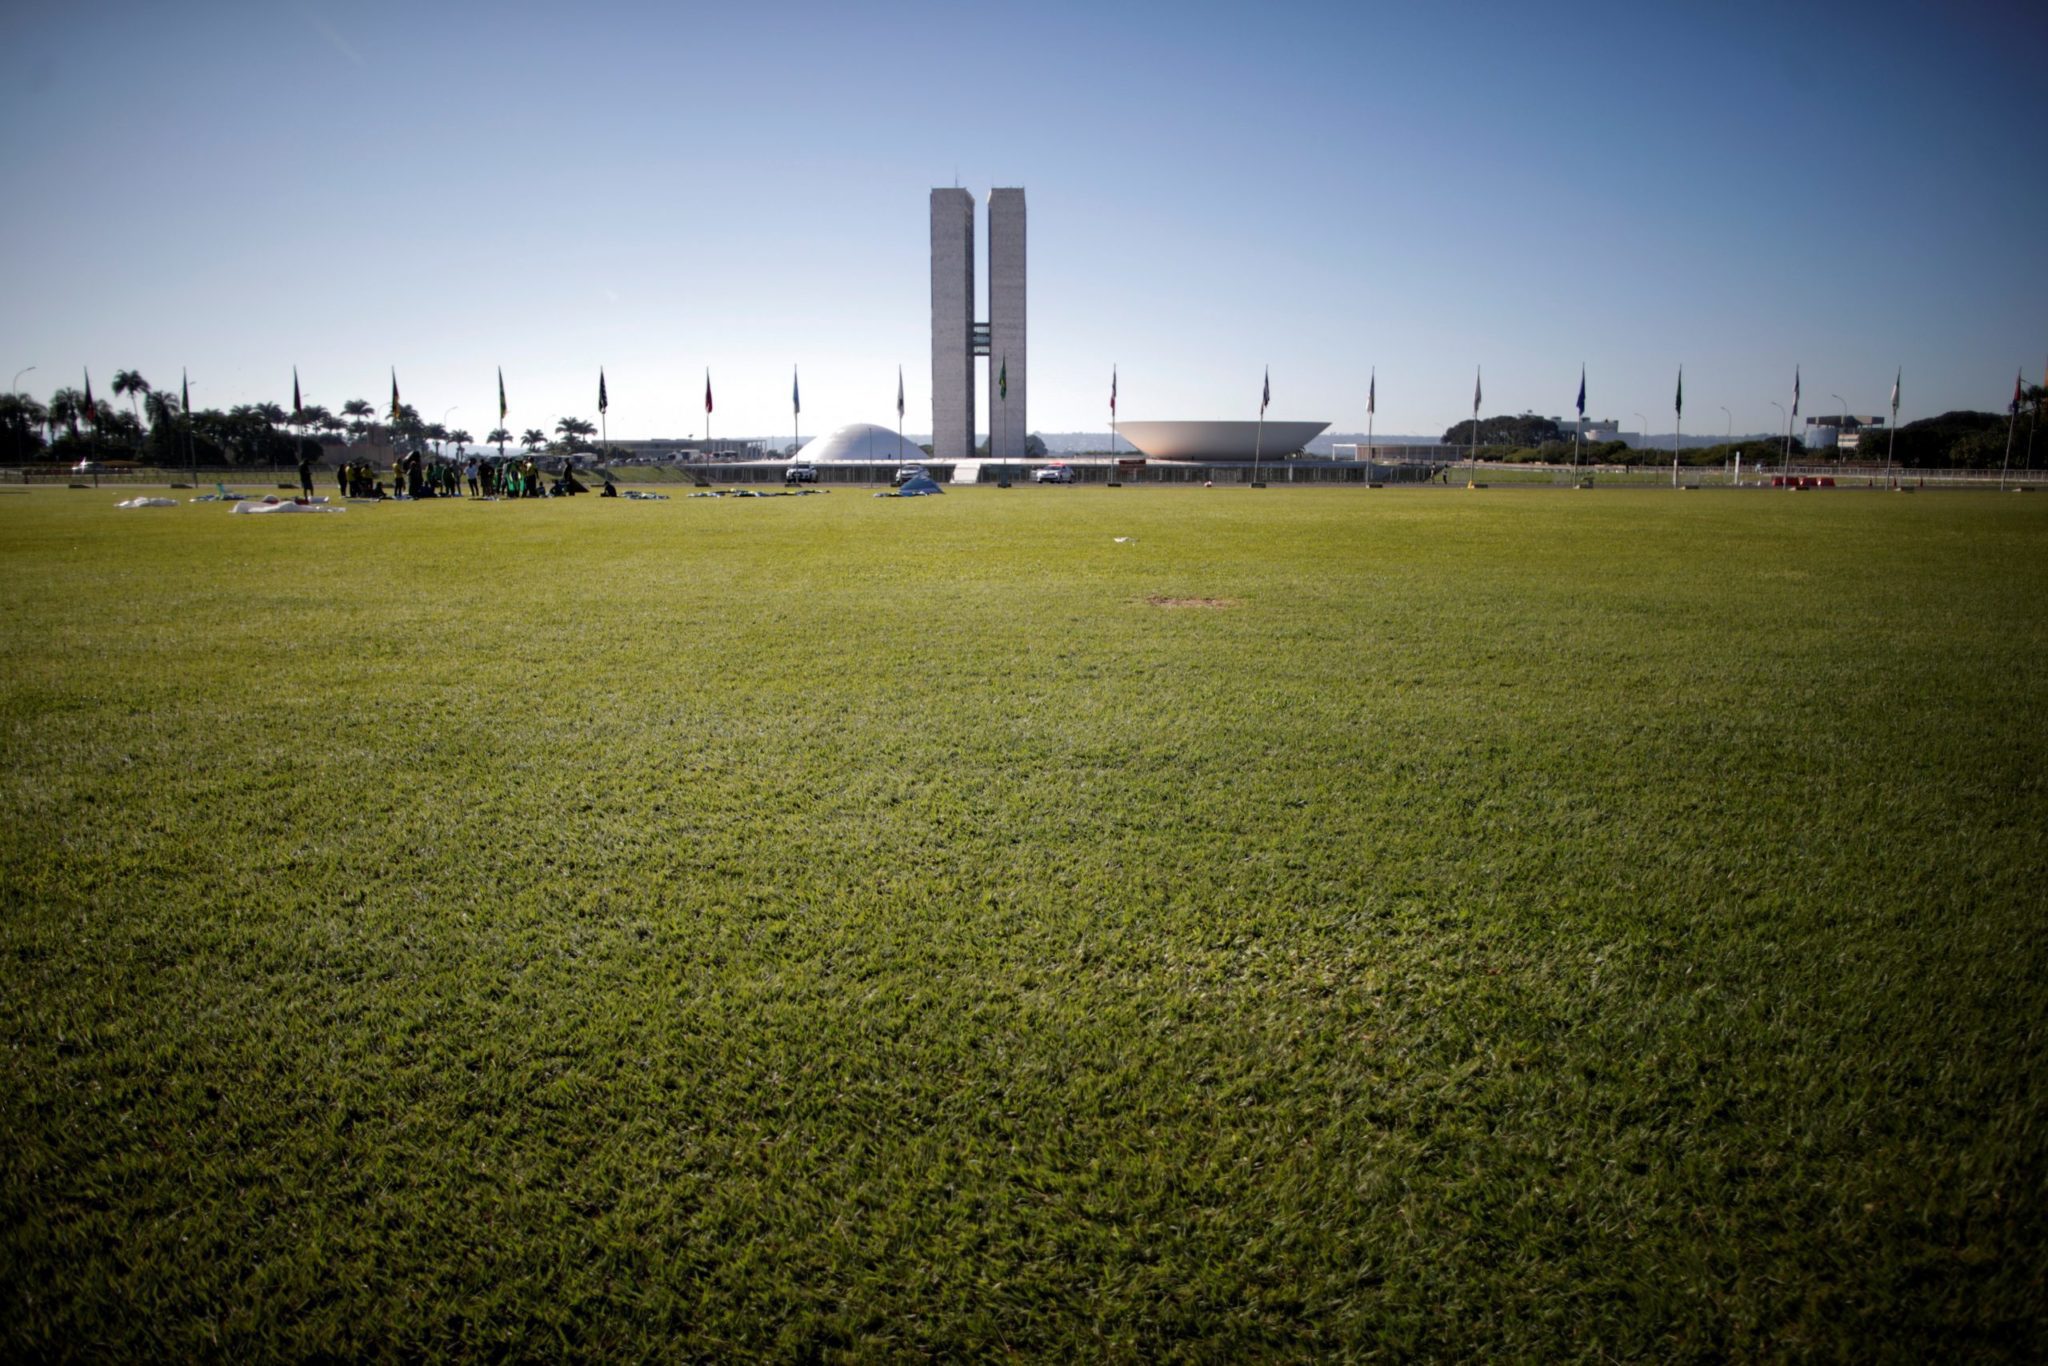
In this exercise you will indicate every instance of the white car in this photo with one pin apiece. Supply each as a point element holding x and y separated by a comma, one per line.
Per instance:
<point>1053,474</point>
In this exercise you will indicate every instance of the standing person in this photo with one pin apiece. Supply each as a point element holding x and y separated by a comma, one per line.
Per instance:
<point>469,473</point>
<point>413,483</point>
<point>305,473</point>
<point>397,474</point>
<point>341,478</point>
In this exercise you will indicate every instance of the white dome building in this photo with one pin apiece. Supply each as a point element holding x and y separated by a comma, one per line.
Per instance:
<point>861,441</point>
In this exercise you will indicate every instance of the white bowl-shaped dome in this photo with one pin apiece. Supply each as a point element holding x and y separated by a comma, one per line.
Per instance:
<point>861,441</point>
<point>1232,441</point>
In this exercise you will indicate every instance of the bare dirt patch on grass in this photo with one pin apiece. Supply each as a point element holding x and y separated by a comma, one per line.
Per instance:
<point>1215,604</point>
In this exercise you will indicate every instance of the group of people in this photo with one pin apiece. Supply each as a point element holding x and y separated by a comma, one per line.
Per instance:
<point>415,476</point>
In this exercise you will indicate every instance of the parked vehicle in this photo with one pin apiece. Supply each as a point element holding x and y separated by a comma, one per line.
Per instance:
<point>906,473</point>
<point>1053,474</point>
<point>800,474</point>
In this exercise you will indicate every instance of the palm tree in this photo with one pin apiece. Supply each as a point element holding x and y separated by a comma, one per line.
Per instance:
<point>162,408</point>
<point>20,415</point>
<point>461,439</point>
<point>66,406</point>
<point>359,412</point>
<point>572,430</point>
<point>498,437</point>
<point>435,433</point>
<point>132,384</point>
<point>533,438</point>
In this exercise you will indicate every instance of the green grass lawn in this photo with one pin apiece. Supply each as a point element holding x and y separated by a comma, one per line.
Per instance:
<point>1530,924</point>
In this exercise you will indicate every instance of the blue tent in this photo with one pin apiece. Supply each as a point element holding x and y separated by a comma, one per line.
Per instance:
<point>918,486</point>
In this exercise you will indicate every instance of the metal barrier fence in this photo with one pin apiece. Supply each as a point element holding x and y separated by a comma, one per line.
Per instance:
<point>1278,472</point>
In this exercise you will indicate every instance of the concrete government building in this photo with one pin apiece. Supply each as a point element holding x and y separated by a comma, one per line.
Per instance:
<point>958,340</point>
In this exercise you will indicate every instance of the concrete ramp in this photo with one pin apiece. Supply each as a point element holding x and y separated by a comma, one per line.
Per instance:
<point>966,472</point>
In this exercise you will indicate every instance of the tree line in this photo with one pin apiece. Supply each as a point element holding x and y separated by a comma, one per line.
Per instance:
<point>155,429</point>
<point>1956,440</point>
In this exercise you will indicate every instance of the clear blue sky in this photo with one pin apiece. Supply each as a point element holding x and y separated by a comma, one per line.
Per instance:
<point>658,188</point>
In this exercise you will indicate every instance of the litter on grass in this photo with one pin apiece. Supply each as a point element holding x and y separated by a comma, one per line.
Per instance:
<point>745,493</point>
<point>921,486</point>
<point>148,503</point>
<point>275,504</point>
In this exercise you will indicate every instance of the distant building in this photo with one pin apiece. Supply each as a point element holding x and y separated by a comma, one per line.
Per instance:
<point>1596,428</point>
<point>663,449</point>
<point>1387,453</point>
<point>958,341</point>
<point>1838,431</point>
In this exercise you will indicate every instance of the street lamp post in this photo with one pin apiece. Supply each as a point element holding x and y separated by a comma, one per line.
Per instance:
<point>14,385</point>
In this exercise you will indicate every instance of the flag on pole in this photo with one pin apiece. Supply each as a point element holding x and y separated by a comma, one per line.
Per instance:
<point>184,391</point>
<point>1112,393</point>
<point>395,411</point>
<point>1582,392</point>
<point>707,391</point>
<point>502,409</point>
<point>1895,394</point>
<point>92,410</point>
<point>2018,391</point>
<point>1795,391</point>
<point>1372,391</point>
<point>1003,381</point>
<point>1678,402</point>
<point>899,396</point>
<point>1475,393</point>
<point>604,401</point>
<point>796,393</point>
<point>298,406</point>
<point>1266,393</point>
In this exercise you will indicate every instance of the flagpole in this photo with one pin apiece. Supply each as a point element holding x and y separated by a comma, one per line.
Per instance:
<point>1259,440</point>
<point>1472,443</point>
<point>1677,424</point>
<point>1891,439</point>
<point>2033,423</point>
<point>2010,428</point>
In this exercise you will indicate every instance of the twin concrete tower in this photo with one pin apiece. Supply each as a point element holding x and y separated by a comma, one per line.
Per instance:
<point>958,340</point>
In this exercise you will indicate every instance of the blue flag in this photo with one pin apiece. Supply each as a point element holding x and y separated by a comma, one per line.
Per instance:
<point>796,397</point>
<point>1582,393</point>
